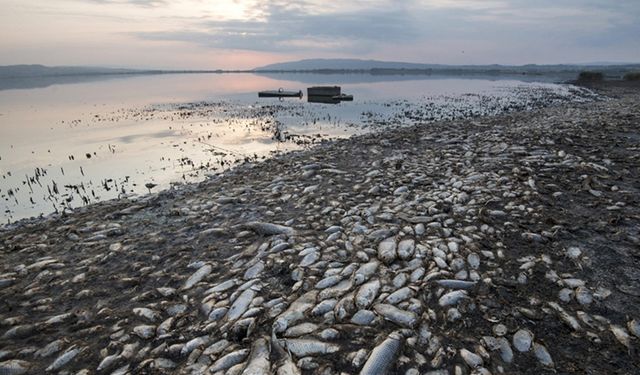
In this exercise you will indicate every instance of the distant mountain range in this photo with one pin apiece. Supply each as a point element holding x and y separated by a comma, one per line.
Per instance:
<point>391,66</point>
<point>17,76</point>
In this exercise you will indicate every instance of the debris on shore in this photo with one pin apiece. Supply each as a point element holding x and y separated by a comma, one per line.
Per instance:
<point>504,244</point>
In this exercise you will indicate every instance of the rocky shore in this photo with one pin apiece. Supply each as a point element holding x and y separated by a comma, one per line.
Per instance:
<point>506,244</point>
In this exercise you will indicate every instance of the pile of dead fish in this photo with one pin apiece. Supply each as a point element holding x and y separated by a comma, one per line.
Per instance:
<point>425,251</point>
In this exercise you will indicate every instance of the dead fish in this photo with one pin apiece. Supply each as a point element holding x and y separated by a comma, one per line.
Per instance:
<point>64,359</point>
<point>146,313</point>
<point>51,348</point>
<point>301,329</point>
<point>367,294</point>
<point>456,284</point>
<point>222,287</point>
<point>393,314</point>
<point>165,327</point>
<point>164,364</point>
<point>258,362</point>
<point>108,362</point>
<point>383,356</point>
<point>295,312</point>
<point>129,350</point>
<point>14,367</point>
<point>241,304</point>
<point>305,347</point>
<point>621,335</point>
<point>254,271</point>
<point>542,354</point>
<point>345,307</point>
<point>470,358</point>
<point>522,340</point>
<point>20,331</point>
<point>365,272</point>
<point>194,343</point>
<point>229,360</point>
<point>337,290</point>
<point>406,249</point>
<point>328,281</point>
<point>284,363</point>
<point>144,331</point>
<point>399,295</point>
<point>58,319</point>
<point>387,250</point>
<point>324,307</point>
<point>269,229</point>
<point>200,274</point>
<point>310,259</point>
<point>565,317</point>
<point>452,298</point>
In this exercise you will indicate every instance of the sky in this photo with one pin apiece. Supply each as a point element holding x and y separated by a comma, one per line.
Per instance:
<point>243,34</point>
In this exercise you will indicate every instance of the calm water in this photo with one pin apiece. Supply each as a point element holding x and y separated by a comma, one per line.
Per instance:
<point>66,145</point>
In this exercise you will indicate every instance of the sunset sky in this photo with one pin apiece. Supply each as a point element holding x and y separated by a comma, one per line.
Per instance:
<point>229,34</point>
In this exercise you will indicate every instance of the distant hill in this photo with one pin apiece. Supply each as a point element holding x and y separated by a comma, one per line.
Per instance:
<point>390,67</point>
<point>20,71</point>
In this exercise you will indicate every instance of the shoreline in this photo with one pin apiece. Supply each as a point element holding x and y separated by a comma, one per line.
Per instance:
<point>521,98</point>
<point>533,214</point>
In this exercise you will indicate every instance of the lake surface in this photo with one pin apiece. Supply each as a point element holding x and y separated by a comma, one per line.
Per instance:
<point>69,142</point>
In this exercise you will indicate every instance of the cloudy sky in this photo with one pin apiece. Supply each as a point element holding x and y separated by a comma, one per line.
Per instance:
<point>228,34</point>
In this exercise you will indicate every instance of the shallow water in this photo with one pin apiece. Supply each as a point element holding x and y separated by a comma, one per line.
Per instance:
<point>66,145</point>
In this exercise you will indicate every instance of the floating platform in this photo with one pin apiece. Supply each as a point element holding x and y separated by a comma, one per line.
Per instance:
<point>280,94</point>
<point>323,91</point>
<point>327,94</point>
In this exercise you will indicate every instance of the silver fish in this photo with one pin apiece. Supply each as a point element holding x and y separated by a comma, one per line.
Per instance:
<point>229,360</point>
<point>241,304</point>
<point>301,329</point>
<point>269,229</point>
<point>393,314</point>
<point>367,293</point>
<point>304,347</point>
<point>470,358</point>
<point>258,362</point>
<point>565,316</point>
<point>328,281</point>
<point>51,348</point>
<point>452,298</point>
<point>295,312</point>
<point>200,274</point>
<point>406,248</point>
<point>399,295</point>
<point>383,356</point>
<point>14,367</point>
<point>108,362</point>
<point>387,250</point>
<point>194,343</point>
<point>365,272</point>
<point>284,364</point>
<point>144,331</point>
<point>64,359</point>
<point>146,313</point>
<point>542,354</point>
<point>337,290</point>
<point>621,335</point>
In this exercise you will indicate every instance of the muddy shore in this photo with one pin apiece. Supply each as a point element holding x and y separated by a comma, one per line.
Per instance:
<point>506,244</point>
